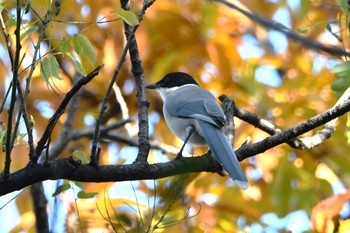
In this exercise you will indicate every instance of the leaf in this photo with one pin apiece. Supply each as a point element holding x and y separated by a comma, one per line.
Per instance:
<point>11,22</point>
<point>64,44</point>
<point>86,195</point>
<point>341,71</point>
<point>77,63</point>
<point>79,184</point>
<point>49,68</point>
<point>3,136</point>
<point>340,85</point>
<point>80,155</point>
<point>84,48</point>
<point>61,189</point>
<point>27,32</point>
<point>128,17</point>
<point>19,138</point>
<point>323,213</point>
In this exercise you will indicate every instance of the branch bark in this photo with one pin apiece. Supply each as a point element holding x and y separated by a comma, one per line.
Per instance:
<point>284,136</point>
<point>73,170</point>
<point>42,143</point>
<point>142,103</point>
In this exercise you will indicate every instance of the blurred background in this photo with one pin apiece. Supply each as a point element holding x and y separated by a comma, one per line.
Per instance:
<point>262,70</point>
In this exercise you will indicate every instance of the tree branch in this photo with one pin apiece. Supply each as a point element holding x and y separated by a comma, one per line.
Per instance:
<point>15,68</point>
<point>40,206</point>
<point>73,170</point>
<point>259,123</point>
<point>284,136</point>
<point>137,71</point>
<point>60,110</point>
<point>328,129</point>
<point>332,50</point>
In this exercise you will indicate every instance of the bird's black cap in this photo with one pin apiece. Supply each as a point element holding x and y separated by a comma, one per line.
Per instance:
<point>175,79</point>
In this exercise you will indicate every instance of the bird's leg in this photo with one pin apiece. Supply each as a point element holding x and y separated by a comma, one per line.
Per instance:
<point>189,131</point>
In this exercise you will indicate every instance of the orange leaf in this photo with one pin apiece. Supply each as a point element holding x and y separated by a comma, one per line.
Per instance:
<point>323,213</point>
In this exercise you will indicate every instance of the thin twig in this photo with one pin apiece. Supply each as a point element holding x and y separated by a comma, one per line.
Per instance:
<point>96,136</point>
<point>138,73</point>
<point>332,50</point>
<point>7,40</point>
<point>15,67</point>
<point>60,110</point>
<point>259,123</point>
<point>328,129</point>
<point>284,136</point>
<point>63,137</point>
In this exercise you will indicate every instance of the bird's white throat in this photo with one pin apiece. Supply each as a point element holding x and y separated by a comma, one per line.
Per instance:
<point>164,92</point>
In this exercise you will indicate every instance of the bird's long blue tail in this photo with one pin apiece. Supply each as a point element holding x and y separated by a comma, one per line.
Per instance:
<point>223,152</point>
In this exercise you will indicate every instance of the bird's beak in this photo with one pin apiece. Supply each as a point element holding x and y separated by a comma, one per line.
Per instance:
<point>152,86</point>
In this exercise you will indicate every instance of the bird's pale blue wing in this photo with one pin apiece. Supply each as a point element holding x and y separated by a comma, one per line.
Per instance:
<point>214,110</point>
<point>196,103</point>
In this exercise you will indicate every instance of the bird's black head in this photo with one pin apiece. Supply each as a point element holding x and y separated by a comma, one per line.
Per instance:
<point>175,79</point>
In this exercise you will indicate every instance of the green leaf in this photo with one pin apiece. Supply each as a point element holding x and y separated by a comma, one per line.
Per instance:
<point>19,138</point>
<point>49,68</point>
<point>340,85</point>
<point>342,71</point>
<point>84,48</point>
<point>61,189</point>
<point>343,5</point>
<point>77,63</point>
<point>79,184</point>
<point>11,22</point>
<point>64,44</point>
<point>86,195</point>
<point>3,137</point>
<point>80,155</point>
<point>30,30</point>
<point>128,17</point>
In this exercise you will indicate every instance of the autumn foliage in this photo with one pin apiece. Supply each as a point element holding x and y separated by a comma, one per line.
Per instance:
<point>281,79</point>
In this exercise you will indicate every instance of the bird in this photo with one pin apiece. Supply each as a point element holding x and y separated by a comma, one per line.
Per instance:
<point>193,115</point>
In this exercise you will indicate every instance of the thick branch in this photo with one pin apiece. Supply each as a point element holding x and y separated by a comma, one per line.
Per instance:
<point>73,170</point>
